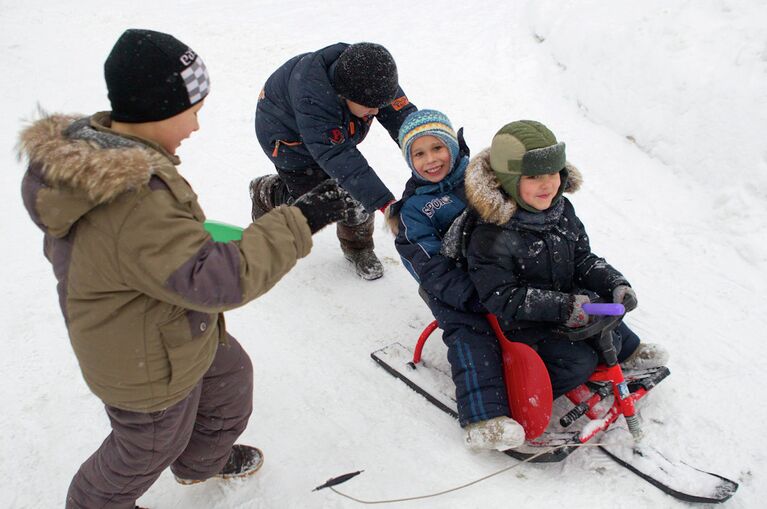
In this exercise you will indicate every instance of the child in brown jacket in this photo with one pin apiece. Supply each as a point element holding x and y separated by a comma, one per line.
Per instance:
<point>142,285</point>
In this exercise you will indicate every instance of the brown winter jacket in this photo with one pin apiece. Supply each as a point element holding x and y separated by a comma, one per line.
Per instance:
<point>141,284</point>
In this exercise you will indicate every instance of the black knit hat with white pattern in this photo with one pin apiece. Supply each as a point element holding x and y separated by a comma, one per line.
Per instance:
<point>366,74</point>
<point>152,76</point>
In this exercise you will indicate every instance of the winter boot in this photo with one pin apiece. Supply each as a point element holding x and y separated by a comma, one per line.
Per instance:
<point>243,461</point>
<point>356,237</point>
<point>366,263</point>
<point>267,192</point>
<point>646,355</point>
<point>499,433</point>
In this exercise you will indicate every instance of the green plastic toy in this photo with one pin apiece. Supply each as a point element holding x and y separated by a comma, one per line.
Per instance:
<point>223,232</point>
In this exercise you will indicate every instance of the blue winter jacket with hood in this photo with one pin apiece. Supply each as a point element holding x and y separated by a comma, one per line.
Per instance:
<point>426,214</point>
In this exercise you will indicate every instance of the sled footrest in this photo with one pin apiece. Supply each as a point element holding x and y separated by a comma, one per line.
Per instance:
<point>646,378</point>
<point>565,444</point>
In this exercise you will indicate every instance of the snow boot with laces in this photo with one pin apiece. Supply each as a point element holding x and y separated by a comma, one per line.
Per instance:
<point>243,461</point>
<point>499,433</point>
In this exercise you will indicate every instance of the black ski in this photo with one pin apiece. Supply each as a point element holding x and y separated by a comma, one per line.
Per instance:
<point>677,479</point>
<point>673,477</point>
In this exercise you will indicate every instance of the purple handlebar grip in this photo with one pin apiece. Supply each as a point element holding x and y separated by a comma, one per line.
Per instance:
<point>604,309</point>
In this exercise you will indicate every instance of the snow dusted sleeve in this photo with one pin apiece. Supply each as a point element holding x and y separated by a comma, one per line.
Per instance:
<point>418,244</point>
<point>492,268</point>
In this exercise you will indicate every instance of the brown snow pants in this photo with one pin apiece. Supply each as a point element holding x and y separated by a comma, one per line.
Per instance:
<point>193,437</point>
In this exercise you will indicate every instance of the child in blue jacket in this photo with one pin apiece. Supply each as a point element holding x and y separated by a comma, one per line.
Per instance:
<point>312,115</point>
<point>434,198</point>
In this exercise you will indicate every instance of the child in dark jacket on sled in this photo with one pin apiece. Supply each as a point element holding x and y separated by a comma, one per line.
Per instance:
<point>530,259</point>
<point>433,199</point>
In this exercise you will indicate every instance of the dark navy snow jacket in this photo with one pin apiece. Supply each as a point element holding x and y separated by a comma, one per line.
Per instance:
<point>527,269</point>
<point>424,219</point>
<point>302,122</point>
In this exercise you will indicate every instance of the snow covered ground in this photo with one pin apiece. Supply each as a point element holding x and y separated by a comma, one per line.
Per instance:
<point>663,106</point>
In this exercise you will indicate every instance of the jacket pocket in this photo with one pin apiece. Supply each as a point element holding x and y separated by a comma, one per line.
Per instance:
<point>277,144</point>
<point>186,339</point>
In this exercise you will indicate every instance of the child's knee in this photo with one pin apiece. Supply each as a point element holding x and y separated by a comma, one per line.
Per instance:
<point>626,342</point>
<point>568,372</point>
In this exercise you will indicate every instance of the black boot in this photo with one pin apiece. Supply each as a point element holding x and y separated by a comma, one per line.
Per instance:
<point>243,461</point>
<point>266,193</point>
<point>366,263</point>
<point>357,244</point>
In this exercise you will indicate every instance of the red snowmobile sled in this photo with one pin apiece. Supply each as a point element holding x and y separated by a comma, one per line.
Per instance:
<point>596,406</point>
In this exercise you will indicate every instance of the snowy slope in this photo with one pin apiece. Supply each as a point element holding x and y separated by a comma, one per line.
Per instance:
<point>663,109</point>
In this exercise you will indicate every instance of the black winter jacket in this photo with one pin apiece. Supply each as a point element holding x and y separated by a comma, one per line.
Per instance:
<point>302,122</point>
<point>526,266</point>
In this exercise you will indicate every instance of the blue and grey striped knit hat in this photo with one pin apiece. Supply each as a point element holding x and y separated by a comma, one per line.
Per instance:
<point>427,123</point>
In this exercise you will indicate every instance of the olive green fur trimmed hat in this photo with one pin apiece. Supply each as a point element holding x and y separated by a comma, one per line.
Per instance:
<point>526,148</point>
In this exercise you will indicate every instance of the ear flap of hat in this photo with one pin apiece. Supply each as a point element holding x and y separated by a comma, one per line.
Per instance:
<point>506,152</point>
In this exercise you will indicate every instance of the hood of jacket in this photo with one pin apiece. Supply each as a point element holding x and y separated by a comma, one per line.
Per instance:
<point>485,195</point>
<point>77,163</point>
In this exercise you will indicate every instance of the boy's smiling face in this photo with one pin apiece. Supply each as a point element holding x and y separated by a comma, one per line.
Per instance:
<point>169,133</point>
<point>539,191</point>
<point>431,158</point>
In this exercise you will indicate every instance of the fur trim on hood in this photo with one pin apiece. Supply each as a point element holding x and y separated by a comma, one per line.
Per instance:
<point>391,221</point>
<point>486,196</point>
<point>74,155</point>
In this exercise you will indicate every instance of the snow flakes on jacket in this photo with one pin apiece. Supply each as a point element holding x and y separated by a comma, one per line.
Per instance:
<point>527,266</point>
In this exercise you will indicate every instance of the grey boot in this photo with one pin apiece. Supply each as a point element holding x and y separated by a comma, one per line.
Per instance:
<point>499,433</point>
<point>646,356</point>
<point>366,263</point>
<point>356,238</point>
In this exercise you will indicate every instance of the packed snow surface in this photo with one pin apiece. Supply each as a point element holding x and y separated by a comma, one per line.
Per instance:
<point>663,107</point>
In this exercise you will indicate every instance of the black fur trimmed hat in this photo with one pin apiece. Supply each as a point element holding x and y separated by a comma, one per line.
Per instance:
<point>366,74</point>
<point>152,76</point>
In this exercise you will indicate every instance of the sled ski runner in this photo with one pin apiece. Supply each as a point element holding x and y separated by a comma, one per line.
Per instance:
<point>675,478</point>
